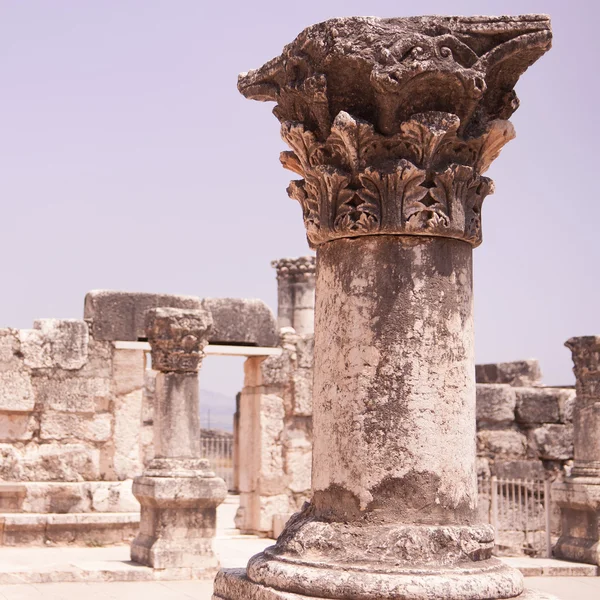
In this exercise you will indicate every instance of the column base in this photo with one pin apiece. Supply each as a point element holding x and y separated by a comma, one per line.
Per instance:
<point>579,502</point>
<point>178,521</point>
<point>233,584</point>
<point>371,561</point>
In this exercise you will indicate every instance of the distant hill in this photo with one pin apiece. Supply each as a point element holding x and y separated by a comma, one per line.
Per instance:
<point>216,410</point>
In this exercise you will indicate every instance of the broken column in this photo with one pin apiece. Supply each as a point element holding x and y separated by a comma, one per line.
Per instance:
<point>178,492</point>
<point>579,495</point>
<point>392,123</point>
<point>296,293</point>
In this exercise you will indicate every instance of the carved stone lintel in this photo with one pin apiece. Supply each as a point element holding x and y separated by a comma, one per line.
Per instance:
<point>392,122</point>
<point>177,338</point>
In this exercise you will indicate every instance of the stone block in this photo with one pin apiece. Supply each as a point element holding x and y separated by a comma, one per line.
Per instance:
<point>521,373</point>
<point>55,343</point>
<point>495,403</point>
<point>10,350</point>
<point>64,426</point>
<point>504,443</point>
<point>127,457</point>
<point>17,427</point>
<point>298,462</point>
<point>49,462</point>
<point>108,496</point>
<point>11,497</point>
<point>302,393</point>
<point>71,394</point>
<point>128,371</point>
<point>271,428</point>
<point>551,442</point>
<point>241,321</point>
<point>53,497</point>
<point>92,529</point>
<point>543,404</point>
<point>16,391</point>
<point>120,316</point>
<point>305,347</point>
<point>518,469</point>
<point>268,507</point>
<point>272,371</point>
<point>178,521</point>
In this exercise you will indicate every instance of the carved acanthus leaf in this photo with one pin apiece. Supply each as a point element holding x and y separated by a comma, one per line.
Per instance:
<point>305,147</point>
<point>354,142</point>
<point>426,134</point>
<point>489,145</point>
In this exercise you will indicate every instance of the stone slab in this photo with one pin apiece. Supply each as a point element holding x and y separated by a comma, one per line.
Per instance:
<point>120,316</point>
<point>518,373</point>
<point>241,321</point>
<point>37,529</point>
<point>551,567</point>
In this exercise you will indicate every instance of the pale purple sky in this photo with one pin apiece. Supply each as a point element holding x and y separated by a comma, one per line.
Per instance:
<point>130,161</point>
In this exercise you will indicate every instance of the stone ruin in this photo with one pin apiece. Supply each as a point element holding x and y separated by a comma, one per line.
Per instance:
<point>391,124</point>
<point>77,409</point>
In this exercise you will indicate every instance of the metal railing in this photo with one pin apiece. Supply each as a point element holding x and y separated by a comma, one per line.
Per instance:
<point>519,510</point>
<point>219,451</point>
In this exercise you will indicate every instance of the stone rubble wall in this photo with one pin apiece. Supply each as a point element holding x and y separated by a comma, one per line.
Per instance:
<point>275,436</point>
<point>71,432</point>
<point>524,431</point>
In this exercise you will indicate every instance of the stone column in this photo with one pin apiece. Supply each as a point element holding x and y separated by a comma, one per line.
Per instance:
<point>178,492</point>
<point>296,293</point>
<point>579,495</point>
<point>392,123</point>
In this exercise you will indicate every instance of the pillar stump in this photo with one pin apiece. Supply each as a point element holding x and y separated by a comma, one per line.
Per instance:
<point>178,492</point>
<point>579,495</point>
<point>296,293</point>
<point>392,123</point>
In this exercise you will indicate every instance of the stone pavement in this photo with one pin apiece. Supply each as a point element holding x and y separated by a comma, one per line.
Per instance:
<point>89,571</point>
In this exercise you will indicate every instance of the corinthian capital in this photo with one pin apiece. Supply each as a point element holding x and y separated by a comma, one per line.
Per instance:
<point>392,122</point>
<point>295,268</point>
<point>586,366</point>
<point>177,338</point>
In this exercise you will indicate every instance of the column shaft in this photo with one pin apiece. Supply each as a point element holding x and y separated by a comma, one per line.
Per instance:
<point>177,421</point>
<point>394,390</point>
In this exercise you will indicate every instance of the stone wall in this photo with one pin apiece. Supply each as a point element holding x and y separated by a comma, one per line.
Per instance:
<point>76,414</point>
<point>275,436</point>
<point>524,432</point>
<point>70,431</point>
<point>524,429</point>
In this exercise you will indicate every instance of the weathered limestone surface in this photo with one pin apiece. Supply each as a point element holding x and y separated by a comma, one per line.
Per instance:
<point>392,123</point>
<point>524,373</point>
<point>275,433</point>
<point>523,432</point>
<point>241,321</point>
<point>578,496</point>
<point>69,434</point>
<point>119,316</point>
<point>178,492</point>
<point>296,293</point>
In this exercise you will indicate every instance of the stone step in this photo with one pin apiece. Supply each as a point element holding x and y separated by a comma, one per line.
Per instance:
<point>94,529</point>
<point>550,567</point>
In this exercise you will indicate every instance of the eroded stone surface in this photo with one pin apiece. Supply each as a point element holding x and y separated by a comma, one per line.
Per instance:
<point>525,373</point>
<point>579,495</point>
